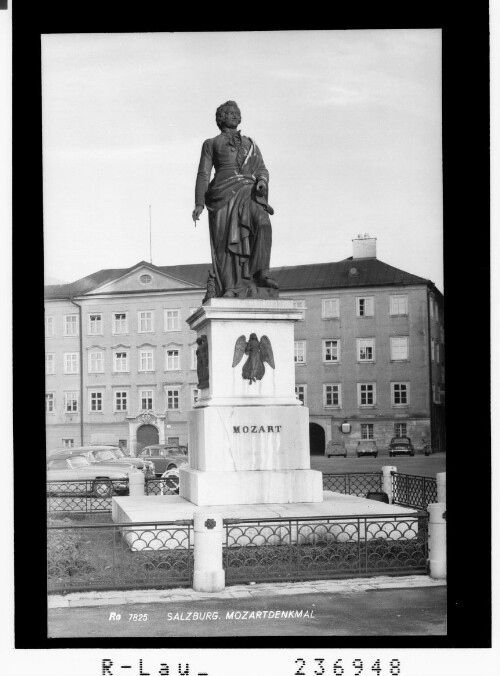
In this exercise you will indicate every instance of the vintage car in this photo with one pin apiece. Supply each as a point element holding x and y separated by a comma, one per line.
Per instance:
<point>110,455</point>
<point>164,457</point>
<point>96,478</point>
<point>401,446</point>
<point>367,447</point>
<point>336,447</point>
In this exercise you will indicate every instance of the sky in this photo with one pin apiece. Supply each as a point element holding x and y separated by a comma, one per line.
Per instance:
<point>348,123</point>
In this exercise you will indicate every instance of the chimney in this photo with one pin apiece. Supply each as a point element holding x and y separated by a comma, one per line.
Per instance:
<point>364,246</point>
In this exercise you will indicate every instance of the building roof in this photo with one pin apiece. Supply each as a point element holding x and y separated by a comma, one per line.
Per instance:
<point>360,272</point>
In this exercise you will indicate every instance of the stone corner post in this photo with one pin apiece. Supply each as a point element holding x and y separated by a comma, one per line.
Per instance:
<point>136,483</point>
<point>209,575</point>
<point>387,471</point>
<point>441,486</point>
<point>437,540</point>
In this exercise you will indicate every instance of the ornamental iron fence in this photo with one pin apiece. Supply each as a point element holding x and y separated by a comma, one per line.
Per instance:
<point>413,491</point>
<point>273,550</point>
<point>353,483</point>
<point>119,556</point>
<point>85,495</point>
<point>162,486</point>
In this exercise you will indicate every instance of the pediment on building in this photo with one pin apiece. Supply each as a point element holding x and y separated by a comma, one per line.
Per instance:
<point>143,278</point>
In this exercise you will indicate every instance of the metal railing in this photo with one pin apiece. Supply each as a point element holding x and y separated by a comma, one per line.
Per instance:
<point>160,487</point>
<point>85,495</point>
<point>270,550</point>
<point>353,483</point>
<point>413,491</point>
<point>119,556</point>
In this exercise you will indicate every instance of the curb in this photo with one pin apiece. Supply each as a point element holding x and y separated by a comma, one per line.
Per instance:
<point>182,594</point>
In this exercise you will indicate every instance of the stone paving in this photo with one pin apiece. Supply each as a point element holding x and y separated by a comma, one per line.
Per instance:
<point>104,598</point>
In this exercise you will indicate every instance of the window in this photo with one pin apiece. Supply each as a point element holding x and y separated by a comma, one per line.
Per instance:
<point>331,351</point>
<point>146,360</point>
<point>172,399</point>
<point>172,320</point>
<point>145,321</point>
<point>195,393</point>
<point>399,305</point>
<point>121,400</point>
<point>301,393</point>
<point>96,362</point>
<point>67,443</point>
<point>120,322</point>
<point>436,394</point>
<point>400,430</point>
<point>431,307</point>
<point>71,362</point>
<point>146,398</point>
<point>437,353</point>
<point>120,362</point>
<point>364,306</point>
<point>367,431</point>
<point>146,279</point>
<point>50,364</point>
<point>432,349</point>
<point>366,349</point>
<point>95,402</point>
<point>366,394</point>
<point>436,310</point>
<point>299,355</point>
<point>122,443</point>
<point>331,395</point>
<point>400,393</point>
<point>49,327</point>
<point>330,308</point>
<point>194,359</point>
<point>70,325</point>
<point>300,305</point>
<point>399,348</point>
<point>173,441</point>
<point>173,360</point>
<point>71,402</point>
<point>95,324</point>
<point>49,402</point>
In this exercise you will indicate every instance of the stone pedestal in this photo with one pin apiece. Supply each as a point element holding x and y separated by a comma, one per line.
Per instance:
<point>248,441</point>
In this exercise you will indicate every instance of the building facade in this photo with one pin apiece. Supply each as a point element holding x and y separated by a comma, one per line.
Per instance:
<point>121,361</point>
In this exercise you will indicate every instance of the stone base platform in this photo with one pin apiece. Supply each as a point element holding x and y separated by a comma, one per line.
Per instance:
<point>156,508</point>
<point>251,487</point>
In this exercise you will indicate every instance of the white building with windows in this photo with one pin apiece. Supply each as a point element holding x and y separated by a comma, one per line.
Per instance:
<point>121,359</point>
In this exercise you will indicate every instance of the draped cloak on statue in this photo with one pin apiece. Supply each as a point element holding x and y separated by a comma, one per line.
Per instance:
<point>240,227</point>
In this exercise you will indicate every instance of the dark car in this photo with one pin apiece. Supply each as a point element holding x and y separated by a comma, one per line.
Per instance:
<point>165,457</point>
<point>401,446</point>
<point>336,447</point>
<point>367,447</point>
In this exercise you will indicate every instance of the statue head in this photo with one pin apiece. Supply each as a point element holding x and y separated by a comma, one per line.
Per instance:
<point>220,115</point>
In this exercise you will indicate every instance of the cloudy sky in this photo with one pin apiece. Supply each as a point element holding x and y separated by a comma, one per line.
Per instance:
<point>348,122</point>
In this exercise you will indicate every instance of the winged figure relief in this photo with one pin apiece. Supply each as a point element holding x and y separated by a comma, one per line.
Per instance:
<point>258,351</point>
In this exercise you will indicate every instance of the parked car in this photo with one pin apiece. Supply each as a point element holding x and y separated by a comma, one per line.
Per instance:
<point>104,480</point>
<point>401,446</point>
<point>367,447</point>
<point>336,447</point>
<point>164,456</point>
<point>108,455</point>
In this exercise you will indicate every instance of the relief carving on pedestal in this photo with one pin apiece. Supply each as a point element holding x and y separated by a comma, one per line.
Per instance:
<point>202,362</point>
<point>258,352</point>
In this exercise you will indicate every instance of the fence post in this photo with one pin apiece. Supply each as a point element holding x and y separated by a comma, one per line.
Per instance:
<point>441,486</point>
<point>208,574</point>
<point>387,481</point>
<point>136,483</point>
<point>437,540</point>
